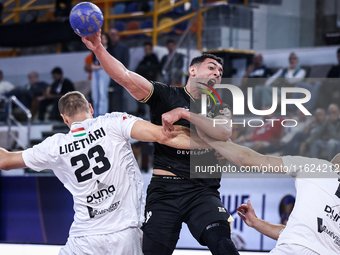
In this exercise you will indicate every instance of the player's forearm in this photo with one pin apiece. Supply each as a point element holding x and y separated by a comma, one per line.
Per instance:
<point>268,229</point>
<point>11,160</point>
<point>240,155</point>
<point>218,131</point>
<point>135,84</point>
<point>245,157</point>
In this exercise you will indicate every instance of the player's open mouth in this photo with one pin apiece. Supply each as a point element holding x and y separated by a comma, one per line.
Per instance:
<point>211,82</point>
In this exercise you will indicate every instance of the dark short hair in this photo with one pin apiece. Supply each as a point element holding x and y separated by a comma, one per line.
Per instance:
<point>203,57</point>
<point>170,41</point>
<point>57,70</point>
<point>72,103</point>
<point>147,44</point>
<point>338,51</point>
<point>107,38</point>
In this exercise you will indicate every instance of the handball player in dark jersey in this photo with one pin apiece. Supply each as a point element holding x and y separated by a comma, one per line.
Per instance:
<point>173,197</point>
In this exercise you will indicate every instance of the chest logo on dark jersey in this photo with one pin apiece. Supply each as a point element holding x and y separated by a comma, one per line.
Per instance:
<point>226,112</point>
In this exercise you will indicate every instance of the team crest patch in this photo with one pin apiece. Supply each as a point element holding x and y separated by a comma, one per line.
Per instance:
<point>226,112</point>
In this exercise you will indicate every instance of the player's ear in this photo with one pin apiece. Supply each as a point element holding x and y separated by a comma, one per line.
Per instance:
<point>91,109</point>
<point>192,71</point>
<point>65,119</point>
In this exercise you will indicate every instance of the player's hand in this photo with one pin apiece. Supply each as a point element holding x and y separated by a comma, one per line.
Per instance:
<point>219,155</point>
<point>92,41</point>
<point>247,213</point>
<point>169,118</point>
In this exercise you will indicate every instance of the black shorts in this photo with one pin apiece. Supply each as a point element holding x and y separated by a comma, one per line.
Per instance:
<point>170,202</point>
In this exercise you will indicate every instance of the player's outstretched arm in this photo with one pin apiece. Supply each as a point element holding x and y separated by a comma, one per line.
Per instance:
<point>247,213</point>
<point>243,156</point>
<point>179,138</point>
<point>136,85</point>
<point>11,160</point>
<point>218,128</point>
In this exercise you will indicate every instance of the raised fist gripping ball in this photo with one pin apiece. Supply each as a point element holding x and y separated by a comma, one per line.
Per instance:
<point>86,18</point>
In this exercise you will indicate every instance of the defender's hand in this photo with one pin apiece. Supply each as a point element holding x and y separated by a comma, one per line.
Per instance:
<point>247,213</point>
<point>169,118</point>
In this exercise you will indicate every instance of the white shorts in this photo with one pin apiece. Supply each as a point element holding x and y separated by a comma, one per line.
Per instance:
<point>292,249</point>
<point>127,241</point>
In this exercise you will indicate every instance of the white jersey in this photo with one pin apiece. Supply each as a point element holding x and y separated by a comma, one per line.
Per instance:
<point>95,163</point>
<point>315,219</point>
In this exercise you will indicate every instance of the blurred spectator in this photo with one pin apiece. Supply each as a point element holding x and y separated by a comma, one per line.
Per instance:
<point>149,66</point>
<point>255,70</point>
<point>294,136</point>
<point>285,208</point>
<point>173,72</point>
<point>265,136</point>
<point>313,86</point>
<point>100,83</point>
<point>59,87</point>
<point>330,87</point>
<point>88,64</point>
<point>284,77</point>
<point>62,9</point>
<point>317,124</point>
<point>335,70</point>
<point>5,86</point>
<point>328,137</point>
<point>27,94</point>
<point>121,53</point>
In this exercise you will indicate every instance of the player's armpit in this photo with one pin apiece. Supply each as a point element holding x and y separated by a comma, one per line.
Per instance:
<point>11,160</point>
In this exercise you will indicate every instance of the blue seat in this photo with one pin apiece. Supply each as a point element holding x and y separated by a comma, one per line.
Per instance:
<point>195,4</point>
<point>179,9</point>
<point>120,26</point>
<point>148,23</point>
<point>151,4</point>
<point>132,7</point>
<point>180,27</point>
<point>119,8</point>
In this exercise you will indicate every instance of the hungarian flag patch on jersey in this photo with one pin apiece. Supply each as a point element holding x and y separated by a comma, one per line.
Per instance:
<point>77,132</point>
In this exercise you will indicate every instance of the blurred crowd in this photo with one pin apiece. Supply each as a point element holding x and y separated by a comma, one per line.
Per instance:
<point>317,135</point>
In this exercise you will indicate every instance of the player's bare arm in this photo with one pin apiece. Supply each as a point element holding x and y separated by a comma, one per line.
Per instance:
<point>242,156</point>
<point>247,213</point>
<point>179,138</point>
<point>136,85</point>
<point>221,131</point>
<point>11,160</point>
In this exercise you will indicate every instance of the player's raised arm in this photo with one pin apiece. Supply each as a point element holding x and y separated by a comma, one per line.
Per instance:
<point>136,85</point>
<point>247,213</point>
<point>11,160</point>
<point>179,138</point>
<point>243,156</point>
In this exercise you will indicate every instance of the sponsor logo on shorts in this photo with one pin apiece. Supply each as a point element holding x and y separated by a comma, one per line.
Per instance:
<point>101,212</point>
<point>103,192</point>
<point>148,216</point>
<point>221,209</point>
